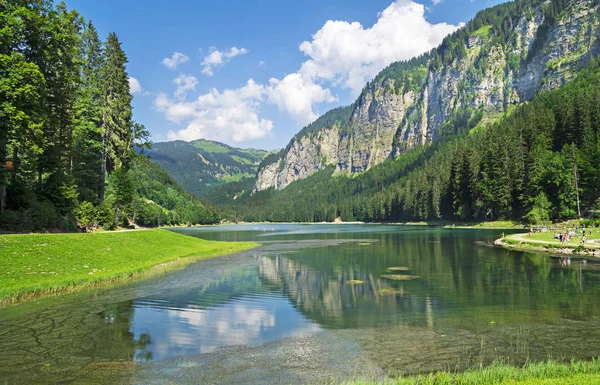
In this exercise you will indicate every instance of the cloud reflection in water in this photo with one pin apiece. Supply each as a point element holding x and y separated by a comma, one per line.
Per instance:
<point>249,321</point>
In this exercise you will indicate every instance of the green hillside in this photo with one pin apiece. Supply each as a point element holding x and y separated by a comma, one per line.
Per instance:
<point>540,163</point>
<point>147,196</point>
<point>202,164</point>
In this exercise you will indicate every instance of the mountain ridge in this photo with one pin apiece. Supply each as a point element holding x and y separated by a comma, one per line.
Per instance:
<point>202,164</point>
<point>503,57</point>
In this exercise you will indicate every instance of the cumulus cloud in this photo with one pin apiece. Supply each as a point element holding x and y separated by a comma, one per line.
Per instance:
<point>231,115</point>
<point>184,84</point>
<point>348,55</point>
<point>296,95</point>
<point>134,86</point>
<point>175,60</point>
<point>340,55</point>
<point>217,58</point>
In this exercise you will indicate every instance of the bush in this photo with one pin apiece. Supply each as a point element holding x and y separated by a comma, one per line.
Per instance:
<point>86,213</point>
<point>593,222</point>
<point>42,215</point>
<point>106,216</point>
<point>103,215</point>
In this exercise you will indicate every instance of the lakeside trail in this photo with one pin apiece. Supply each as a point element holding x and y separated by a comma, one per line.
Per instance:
<point>524,237</point>
<point>34,265</point>
<point>525,241</point>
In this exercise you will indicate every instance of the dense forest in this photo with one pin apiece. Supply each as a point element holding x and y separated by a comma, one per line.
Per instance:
<point>68,143</point>
<point>202,164</point>
<point>538,163</point>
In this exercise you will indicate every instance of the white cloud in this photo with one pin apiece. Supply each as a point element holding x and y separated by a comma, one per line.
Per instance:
<point>231,115</point>
<point>296,95</point>
<point>348,55</point>
<point>134,86</point>
<point>340,54</point>
<point>175,60</point>
<point>217,58</point>
<point>184,83</point>
<point>436,2</point>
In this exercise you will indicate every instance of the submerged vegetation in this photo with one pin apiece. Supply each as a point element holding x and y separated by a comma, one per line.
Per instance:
<point>36,264</point>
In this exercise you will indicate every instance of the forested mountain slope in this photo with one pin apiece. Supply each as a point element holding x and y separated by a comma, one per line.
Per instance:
<point>503,57</point>
<point>203,164</point>
<point>542,162</point>
<point>159,200</point>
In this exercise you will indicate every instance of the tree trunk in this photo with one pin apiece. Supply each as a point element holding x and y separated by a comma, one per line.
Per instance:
<point>2,198</point>
<point>103,169</point>
<point>3,170</point>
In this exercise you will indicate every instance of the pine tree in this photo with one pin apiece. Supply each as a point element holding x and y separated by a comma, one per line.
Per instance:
<point>87,146</point>
<point>20,94</point>
<point>116,129</point>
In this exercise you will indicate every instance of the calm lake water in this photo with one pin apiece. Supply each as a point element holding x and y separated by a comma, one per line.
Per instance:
<point>314,304</point>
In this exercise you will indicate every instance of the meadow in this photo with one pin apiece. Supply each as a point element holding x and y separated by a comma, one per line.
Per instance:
<point>37,264</point>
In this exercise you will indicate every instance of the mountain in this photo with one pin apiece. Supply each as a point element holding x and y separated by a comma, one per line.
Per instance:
<point>539,163</point>
<point>504,57</point>
<point>457,134</point>
<point>202,164</point>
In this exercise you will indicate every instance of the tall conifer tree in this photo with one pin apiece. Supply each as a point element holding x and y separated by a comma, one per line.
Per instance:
<point>116,107</point>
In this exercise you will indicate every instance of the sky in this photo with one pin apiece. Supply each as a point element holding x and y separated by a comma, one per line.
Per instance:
<point>253,73</point>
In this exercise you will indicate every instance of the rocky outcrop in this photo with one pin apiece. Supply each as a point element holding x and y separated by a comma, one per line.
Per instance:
<point>374,123</point>
<point>390,117</point>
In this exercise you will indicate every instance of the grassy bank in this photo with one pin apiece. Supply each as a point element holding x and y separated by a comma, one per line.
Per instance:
<point>546,242</point>
<point>547,373</point>
<point>37,264</point>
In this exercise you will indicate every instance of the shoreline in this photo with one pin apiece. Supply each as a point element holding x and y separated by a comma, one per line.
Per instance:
<point>446,225</point>
<point>550,372</point>
<point>520,242</point>
<point>154,253</point>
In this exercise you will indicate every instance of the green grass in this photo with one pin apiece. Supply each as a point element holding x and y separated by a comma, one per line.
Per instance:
<point>37,264</point>
<point>493,117</point>
<point>575,241</point>
<point>546,240</point>
<point>241,160</point>
<point>483,225</point>
<point>546,373</point>
<point>236,177</point>
<point>483,31</point>
<point>209,146</point>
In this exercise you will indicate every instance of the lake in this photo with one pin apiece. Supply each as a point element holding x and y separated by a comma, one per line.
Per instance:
<point>315,303</point>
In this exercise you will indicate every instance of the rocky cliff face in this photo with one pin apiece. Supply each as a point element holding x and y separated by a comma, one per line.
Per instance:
<point>412,106</point>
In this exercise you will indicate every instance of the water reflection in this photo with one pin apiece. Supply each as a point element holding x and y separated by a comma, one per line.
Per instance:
<point>176,332</point>
<point>348,296</point>
<point>233,311</point>
<point>311,284</point>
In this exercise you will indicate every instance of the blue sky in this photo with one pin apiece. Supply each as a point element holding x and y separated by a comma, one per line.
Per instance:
<point>253,73</point>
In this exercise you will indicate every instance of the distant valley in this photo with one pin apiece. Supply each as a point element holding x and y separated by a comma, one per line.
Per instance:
<point>201,165</point>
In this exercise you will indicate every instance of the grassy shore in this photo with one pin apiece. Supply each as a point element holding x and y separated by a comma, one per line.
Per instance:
<point>545,242</point>
<point>546,373</point>
<point>38,264</point>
